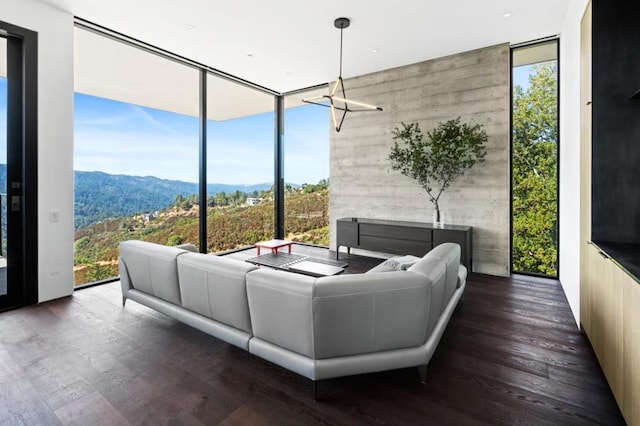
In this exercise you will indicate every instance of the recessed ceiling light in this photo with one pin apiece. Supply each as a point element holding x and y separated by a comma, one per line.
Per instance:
<point>189,27</point>
<point>249,55</point>
<point>375,50</point>
<point>506,15</point>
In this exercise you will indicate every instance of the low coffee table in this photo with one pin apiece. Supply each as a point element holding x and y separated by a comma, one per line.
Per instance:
<point>300,264</point>
<point>274,245</point>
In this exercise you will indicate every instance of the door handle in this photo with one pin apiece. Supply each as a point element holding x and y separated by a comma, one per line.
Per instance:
<point>15,203</point>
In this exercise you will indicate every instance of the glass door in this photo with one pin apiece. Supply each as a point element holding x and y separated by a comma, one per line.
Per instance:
<point>3,167</point>
<point>18,147</point>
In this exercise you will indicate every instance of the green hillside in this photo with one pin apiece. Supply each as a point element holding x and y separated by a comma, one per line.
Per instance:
<point>228,227</point>
<point>102,196</point>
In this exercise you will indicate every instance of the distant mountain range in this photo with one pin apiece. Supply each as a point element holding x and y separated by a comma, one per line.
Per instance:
<point>100,196</point>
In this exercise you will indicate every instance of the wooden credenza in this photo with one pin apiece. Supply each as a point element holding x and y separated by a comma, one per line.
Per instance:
<point>398,237</point>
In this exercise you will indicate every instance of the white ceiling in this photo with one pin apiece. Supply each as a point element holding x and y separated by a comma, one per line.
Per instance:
<point>293,43</point>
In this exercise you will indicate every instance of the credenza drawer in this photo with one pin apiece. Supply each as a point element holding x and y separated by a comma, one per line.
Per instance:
<point>395,232</point>
<point>386,245</point>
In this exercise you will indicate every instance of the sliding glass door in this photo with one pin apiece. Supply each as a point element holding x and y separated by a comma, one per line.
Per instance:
<point>3,167</point>
<point>18,141</point>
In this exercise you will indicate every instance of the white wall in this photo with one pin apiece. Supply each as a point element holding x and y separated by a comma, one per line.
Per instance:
<point>570,155</point>
<point>55,140</point>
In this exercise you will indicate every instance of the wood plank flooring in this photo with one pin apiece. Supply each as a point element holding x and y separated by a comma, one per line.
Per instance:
<point>511,354</point>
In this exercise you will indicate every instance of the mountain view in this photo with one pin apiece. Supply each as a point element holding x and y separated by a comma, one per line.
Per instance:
<point>100,196</point>
<point>114,208</point>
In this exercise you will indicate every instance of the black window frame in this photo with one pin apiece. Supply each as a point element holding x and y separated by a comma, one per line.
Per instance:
<point>545,40</point>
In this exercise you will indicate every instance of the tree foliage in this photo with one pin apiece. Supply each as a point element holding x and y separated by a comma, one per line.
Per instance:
<point>535,139</point>
<point>437,160</point>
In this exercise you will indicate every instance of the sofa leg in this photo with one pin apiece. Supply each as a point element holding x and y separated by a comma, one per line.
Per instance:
<point>124,300</point>
<point>422,372</point>
<point>315,390</point>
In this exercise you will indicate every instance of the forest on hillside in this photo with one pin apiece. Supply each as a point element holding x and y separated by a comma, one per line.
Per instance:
<point>101,196</point>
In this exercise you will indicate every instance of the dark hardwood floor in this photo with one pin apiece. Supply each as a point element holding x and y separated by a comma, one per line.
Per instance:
<point>512,354</point>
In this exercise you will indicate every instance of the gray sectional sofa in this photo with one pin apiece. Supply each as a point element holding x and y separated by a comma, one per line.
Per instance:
<point>317,327</point>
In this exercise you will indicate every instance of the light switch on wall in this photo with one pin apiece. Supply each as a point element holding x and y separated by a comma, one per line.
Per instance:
<point>54,215</point>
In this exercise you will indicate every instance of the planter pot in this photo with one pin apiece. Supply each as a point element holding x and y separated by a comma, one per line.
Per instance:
<point>438,223</point>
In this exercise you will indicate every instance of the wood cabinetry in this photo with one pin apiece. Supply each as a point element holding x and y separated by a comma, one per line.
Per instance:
<point>604,281</point>
<point>611,319</point>
<point>585,165</point>
<point>609,294</point>
<point>397,237</point>
<point>631,350</point>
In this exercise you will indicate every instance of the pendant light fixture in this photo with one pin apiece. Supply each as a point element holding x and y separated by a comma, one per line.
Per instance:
<point>338,97</point>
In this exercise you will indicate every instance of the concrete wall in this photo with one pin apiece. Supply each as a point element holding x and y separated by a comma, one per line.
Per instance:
<point>55,140</point>
<point>474,85</point>
<point>569,253</point>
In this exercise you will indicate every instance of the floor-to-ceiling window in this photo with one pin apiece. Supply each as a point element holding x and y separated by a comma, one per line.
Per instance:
<point>166,149</point>
<point>240,165</point>
<point>135,152</point>
<point>535,158</point>
<point>306,171</point>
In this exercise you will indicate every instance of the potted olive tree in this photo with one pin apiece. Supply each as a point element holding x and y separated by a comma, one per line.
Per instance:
<point>436,160</point>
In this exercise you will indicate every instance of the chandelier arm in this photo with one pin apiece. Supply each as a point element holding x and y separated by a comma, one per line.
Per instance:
<point>334,101</point>
<point>344,114</point>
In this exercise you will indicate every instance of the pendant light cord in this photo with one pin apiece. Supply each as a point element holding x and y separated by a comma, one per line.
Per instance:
<point>341,29</point>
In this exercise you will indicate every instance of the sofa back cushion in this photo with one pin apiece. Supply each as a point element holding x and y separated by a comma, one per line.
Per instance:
<point>450,254</point>
<point>345,314</point>
<point>216,288</point>
<point>362,313</point>
<point>152,268</point>
<point>437,277</point>
<point>280,305</point>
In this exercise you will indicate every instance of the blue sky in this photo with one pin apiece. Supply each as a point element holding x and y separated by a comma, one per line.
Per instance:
<point>120,138</point>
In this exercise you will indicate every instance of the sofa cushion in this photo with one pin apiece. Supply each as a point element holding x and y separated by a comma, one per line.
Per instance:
<point>152,268</point>
<point>397,263</point>
<point>215,287</point>
<point>462,276</point>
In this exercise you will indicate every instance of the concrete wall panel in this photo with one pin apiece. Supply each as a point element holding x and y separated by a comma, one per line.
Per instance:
<point>473,85</point>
